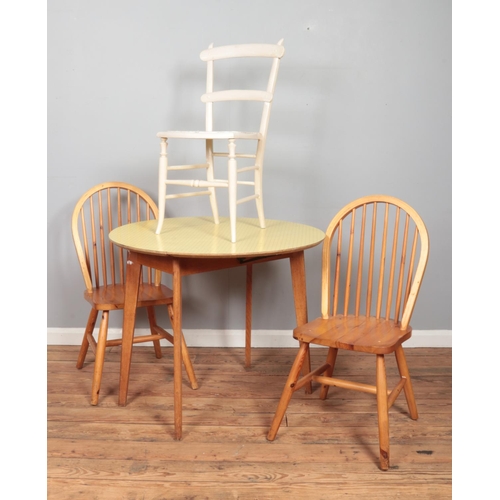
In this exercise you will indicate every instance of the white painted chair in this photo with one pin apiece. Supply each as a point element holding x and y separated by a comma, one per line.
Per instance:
<point>207,185</point>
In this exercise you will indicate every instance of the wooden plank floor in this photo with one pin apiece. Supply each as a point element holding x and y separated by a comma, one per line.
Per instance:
<point>324,449</point>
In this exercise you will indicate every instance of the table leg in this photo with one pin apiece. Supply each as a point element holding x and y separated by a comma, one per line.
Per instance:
<point>177,327</point>
<point>132,279</point>
<point>298,268</point>
<point>248,319</point>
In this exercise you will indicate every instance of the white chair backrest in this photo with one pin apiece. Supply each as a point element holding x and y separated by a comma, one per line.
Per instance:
<point>255,50</point>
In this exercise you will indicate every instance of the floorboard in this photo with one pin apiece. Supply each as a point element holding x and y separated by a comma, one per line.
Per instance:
<point>324,449</point>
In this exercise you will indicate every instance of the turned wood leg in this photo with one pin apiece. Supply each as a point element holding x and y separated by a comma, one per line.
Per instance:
<point>408,387</point>
<point>132,279</point>
<point>177,328</point>
<point>288,390</point>
<point>383,413</point>
<point>330,359</point>
<point>298,268</point>
<point>85,341</point>
<point>99,358</point>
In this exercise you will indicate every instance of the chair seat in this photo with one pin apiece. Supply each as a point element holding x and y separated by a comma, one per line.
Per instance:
<point>204,134</point>
<point>354,333</point>
<point>113,296</point>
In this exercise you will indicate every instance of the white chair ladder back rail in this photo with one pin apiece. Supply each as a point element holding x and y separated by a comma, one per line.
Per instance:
<point>207,185</point>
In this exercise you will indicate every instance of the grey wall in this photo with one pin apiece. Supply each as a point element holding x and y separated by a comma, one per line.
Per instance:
<point>362,106</point>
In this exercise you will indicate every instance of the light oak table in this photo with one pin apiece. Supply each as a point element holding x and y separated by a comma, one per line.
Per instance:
<point>191,245</point>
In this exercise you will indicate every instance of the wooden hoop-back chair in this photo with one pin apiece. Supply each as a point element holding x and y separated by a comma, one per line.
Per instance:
<point>103,265</point>
<point>207,185</point>
<point>374,257</point>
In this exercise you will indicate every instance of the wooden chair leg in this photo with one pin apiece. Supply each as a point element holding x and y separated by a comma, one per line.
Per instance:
<point>85,341</point>
<point>152,324</point>
<point>330,359</point>
<point>288,390</point>
<point>298,269</point>
<point>99,358</point>
<point>408,387</point>
<point>188,365</point>
<point>306,368</point>
<point>383,413</point>
<point>185,354</point>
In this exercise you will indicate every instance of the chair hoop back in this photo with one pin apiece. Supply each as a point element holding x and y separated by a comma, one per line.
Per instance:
<point>99,210</point>
<point>374,257</point>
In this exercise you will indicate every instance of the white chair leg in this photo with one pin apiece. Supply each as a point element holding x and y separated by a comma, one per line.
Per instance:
<point>259,202</point>
<point>232,188</point>
<point>210,178</point>
<point>162,184</point>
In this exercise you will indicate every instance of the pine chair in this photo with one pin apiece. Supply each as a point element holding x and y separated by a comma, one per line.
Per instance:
<point>209,182</point>
<point>103,264</point>
<point>380,248</point>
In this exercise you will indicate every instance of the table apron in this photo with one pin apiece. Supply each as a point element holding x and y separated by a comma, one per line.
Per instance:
<point>195,265</point>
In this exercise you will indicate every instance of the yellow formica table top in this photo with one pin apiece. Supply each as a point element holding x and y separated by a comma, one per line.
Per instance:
<point>200,237</point>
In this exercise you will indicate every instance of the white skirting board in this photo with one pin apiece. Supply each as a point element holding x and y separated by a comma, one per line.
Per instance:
<point>236,338</point>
